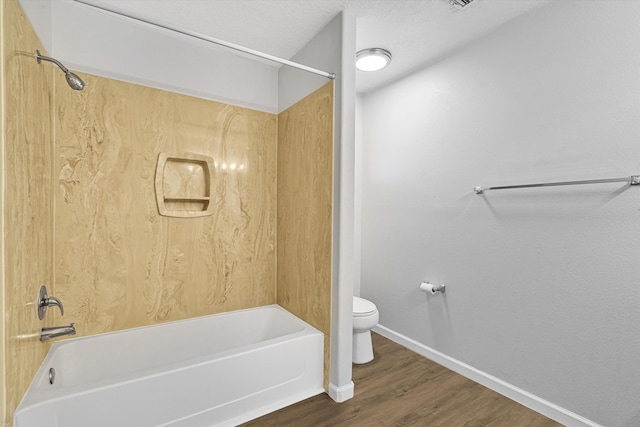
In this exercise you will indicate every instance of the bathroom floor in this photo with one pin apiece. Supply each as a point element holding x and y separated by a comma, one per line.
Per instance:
<point>402,388</point>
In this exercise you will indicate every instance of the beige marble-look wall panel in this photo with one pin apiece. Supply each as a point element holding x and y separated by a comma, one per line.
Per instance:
<point>27,211</point>
<point>119,264</point>
<point>305,177</point>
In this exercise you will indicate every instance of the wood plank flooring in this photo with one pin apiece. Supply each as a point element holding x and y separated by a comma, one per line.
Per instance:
<point>402,388</point>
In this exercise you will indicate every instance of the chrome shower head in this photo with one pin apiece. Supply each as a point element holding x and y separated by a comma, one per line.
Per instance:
<point>73,80</point>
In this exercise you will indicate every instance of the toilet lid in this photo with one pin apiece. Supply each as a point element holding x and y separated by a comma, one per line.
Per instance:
<point>362,307</point>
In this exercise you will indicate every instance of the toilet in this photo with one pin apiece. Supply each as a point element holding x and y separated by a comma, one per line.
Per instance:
<point>365,317</point>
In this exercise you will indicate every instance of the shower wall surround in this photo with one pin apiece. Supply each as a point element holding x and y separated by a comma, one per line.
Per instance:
<point>109,256</point>
<point>118,263</point>
<point>305,183</point>
<point>27,221</point>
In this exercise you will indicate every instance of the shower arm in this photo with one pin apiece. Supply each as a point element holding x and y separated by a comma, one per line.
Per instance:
<point>40,57</point>
<point>73,80</point>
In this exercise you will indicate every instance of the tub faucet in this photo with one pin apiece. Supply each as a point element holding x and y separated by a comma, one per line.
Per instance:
<point>56,331</point>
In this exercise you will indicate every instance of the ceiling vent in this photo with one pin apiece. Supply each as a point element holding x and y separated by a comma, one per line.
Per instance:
<point>459,4</point>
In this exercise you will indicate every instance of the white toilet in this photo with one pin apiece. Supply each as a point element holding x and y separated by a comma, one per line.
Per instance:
<point>365,317</point>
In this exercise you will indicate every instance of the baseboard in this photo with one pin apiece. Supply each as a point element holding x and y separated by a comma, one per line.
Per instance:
<point>523,397</point>
<point>341,394</point>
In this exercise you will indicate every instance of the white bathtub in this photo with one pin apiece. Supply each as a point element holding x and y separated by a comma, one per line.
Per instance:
<point>218,370</point>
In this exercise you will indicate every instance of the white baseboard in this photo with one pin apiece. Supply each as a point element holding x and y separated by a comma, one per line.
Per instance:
<point>523,397</point>
<point>341,394</point>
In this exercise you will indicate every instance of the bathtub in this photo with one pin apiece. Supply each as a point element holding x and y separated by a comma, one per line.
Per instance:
<point>218,370</point>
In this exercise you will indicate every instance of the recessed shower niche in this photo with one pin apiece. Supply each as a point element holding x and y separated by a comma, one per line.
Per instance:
<point>183,184</point>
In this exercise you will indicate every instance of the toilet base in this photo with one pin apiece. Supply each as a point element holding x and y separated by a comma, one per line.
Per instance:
<point>362,347</point>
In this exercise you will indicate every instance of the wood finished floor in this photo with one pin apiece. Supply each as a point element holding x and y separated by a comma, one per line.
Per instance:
<point>402,388</point>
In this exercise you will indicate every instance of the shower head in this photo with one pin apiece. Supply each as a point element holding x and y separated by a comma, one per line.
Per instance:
<point>73,80</point>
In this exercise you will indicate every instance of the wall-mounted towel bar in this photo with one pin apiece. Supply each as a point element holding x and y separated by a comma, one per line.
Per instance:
<point>631,180</point>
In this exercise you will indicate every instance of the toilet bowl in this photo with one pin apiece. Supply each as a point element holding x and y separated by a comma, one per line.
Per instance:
<point>365,317</point>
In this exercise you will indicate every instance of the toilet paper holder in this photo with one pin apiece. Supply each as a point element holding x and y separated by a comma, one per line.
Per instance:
<point>432,289</point>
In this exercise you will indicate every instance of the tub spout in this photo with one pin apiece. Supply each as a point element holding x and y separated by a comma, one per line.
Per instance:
<point>57,331</point>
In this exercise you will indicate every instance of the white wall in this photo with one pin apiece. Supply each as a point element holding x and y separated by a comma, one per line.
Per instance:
<point>333,50</point>
<point>543,285</point>
<point>89,40</point>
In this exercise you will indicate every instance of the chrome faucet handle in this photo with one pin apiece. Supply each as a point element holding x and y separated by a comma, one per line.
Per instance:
<point>54,302</point>
<point>45,301</point>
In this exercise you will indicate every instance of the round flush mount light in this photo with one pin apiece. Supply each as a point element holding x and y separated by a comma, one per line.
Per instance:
<point>373,59</point>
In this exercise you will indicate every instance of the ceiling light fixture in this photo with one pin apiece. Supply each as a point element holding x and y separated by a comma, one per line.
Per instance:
<point>372,59</point>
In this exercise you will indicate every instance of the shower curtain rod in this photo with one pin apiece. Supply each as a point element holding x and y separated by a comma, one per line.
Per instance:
<point>209,39</point>
<point>631,180</point>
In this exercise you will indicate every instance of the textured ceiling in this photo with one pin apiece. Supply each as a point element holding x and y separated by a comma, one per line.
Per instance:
<point>416,32</point>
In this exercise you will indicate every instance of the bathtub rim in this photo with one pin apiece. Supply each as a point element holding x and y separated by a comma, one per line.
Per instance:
<point>183,321</point>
